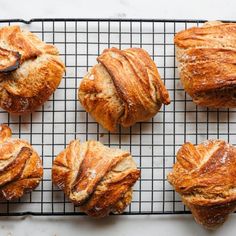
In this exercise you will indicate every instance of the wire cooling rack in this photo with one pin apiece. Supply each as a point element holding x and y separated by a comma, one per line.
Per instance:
<point>153,144</point>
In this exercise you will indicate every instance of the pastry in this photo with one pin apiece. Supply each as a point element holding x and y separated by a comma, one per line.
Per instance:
<point>205,177</point>
<point>96,178</point>
<point>20,166</point>
<point>30,70</point>
<point>207,63</point>
<point>123,88</point>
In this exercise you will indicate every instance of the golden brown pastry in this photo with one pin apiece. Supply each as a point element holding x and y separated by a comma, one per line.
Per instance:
<point>123,88</point>
<point>207,63</point>
<point>30,70</point>
<point>205,177</point>
<point>96,178</point>
<point>20,166</point>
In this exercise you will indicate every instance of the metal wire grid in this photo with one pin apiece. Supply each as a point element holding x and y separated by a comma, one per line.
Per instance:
<point>153,144</point>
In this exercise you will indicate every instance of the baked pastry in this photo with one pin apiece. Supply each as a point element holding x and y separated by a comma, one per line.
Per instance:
<point>205,177</point>
<point>123,88</point>
<point>20,166</point>
<point>96,178</point>
<point>207,63</point>
<point>30,70</point>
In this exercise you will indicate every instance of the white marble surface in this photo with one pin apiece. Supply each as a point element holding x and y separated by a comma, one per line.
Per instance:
<point>118,225</point>
<point>168,9</point>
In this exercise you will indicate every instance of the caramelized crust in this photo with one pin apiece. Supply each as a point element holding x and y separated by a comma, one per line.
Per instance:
<point>207,63</point>
<point>9,60</point>
<point>123,88</point>
<point>96,178</point>
<point>20,166</point>
<point>40,71</point>
<point>205,177</point>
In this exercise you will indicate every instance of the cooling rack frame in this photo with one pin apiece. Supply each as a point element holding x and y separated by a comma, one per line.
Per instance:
<point>162,200</point>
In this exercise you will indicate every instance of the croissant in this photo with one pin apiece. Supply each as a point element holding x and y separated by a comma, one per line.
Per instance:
<point>205,177</point>
<point>20,166</point>
<point>96,178</point>
<point>30,70</point>
<point>207,63</point>
<point>123,88</point>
